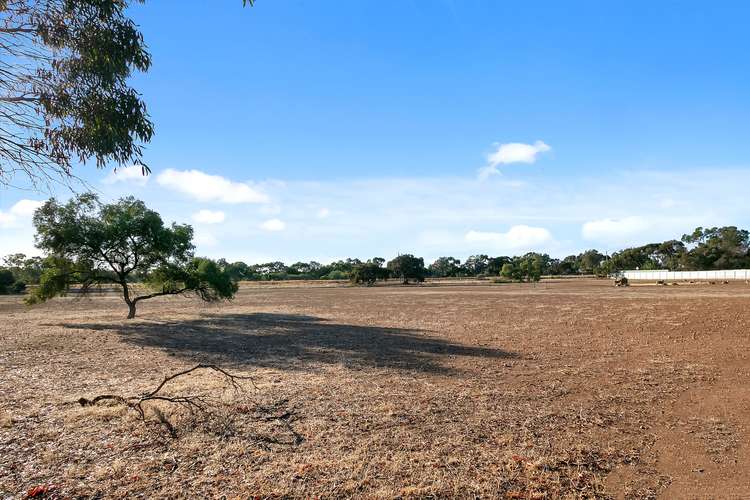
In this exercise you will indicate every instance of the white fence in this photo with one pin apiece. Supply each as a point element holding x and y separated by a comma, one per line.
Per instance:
<point>730,274</point>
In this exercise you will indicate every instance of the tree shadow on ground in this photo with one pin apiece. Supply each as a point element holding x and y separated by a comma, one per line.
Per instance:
<point>291,342</point>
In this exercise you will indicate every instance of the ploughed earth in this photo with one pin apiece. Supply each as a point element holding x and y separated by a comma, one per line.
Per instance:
<point>561,389</point>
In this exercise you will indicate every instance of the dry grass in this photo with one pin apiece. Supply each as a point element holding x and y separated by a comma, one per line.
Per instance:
<point>563,390</point>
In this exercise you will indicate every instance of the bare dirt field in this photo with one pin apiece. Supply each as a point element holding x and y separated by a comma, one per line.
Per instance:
<point>569,389</point>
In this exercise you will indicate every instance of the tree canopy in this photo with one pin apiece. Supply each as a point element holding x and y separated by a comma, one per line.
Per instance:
<point>407,267</point>
<point>90,243</point>
<point>64,92</point>
<point>369,272</point>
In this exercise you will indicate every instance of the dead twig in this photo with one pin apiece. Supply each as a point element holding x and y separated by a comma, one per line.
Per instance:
<point>195,404</point>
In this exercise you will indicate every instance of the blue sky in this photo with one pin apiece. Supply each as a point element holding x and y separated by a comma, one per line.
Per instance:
<point>300,130</point>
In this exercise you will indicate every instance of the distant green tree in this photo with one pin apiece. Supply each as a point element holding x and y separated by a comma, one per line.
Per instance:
<point>445,267</point>
<point>525,268</point>
<point>636,258</point>
<point>542,260</point>
<point>26,269</point>
<point>237,271</point>
<point>407,267</point>
<point>270,271</point>
<point>606,268</point>
<point>336,275</point>
<point>90,243</point>
<point>342,269</point>
<point>369,272</point>
<point>476,265</point>
<point>570,265</point>
<point>534,268</point>
<point>495,265</point>
<point>589,261</point>
<point>6,281</point>
<point>717,248</point>
<point>509,271</point>
<point>670,254</point>
<point>378,261</point>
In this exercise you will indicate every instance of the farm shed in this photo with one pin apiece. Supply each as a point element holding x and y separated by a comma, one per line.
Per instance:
<point>729,274</point>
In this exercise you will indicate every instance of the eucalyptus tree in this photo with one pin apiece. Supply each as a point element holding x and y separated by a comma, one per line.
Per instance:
<point>122,243</point>
<point>407,267</point>
<point>65,95</point>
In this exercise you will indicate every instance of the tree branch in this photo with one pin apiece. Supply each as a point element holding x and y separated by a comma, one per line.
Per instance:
<point>160,294</point>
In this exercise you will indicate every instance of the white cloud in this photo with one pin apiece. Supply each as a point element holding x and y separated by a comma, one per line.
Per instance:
<point>430,216</point>
<point>22,209</point>
<point>512,152</point>
<point>6,219</point>
<point>520,237</point>
<point>25,208</point>
<point>614,230</point>
<point>206,187</point>
<point>209,216</point>
<point>618,233</point>
<point>323,213</point>
<point>133,173</point>
<point>273,225</point>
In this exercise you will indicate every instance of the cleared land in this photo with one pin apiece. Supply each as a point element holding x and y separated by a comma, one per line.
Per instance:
<point>563,389</point>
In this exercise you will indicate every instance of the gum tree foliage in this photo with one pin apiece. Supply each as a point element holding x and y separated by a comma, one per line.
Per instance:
<point>717,248</point>
<point>527,268</point>
<point>407,267</point>
<point>237,271</point>
<point>64,93</point>
<point>90,243</point>
<point>495,265</point>
<point>369,272</point>
<point>589,261</point>
<point>25,269</point>
<point>511,272</point>
<point>445,267</point>
<point>566,266</point>
<point>10,282</point>
<point>6,281</point>
<point>476,265</point>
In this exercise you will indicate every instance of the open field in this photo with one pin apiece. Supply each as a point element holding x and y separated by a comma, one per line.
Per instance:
<point>568,389</point>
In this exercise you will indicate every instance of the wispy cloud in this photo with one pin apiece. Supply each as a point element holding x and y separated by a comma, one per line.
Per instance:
<point>209,216</point>
<point>132,174</point>
<point>616,233</point>
<point>206,187</point>
<point>434,216</point>
<point>606,230</point>
<point>22,209</point>
<point>519,237</point>
<point>512,152</point>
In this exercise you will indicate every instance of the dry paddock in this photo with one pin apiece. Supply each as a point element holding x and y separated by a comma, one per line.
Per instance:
<point>569,389</point>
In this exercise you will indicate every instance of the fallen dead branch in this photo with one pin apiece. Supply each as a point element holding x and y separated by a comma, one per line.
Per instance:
<point>204,408</point>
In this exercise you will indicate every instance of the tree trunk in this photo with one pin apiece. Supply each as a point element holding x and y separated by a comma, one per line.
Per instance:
<point>131,310</point>
<point>126,297</point>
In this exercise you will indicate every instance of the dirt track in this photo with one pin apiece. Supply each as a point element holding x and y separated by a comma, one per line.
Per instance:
<point>563,389</point>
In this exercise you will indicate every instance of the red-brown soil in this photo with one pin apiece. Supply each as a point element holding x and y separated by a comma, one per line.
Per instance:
<point>567,389</point>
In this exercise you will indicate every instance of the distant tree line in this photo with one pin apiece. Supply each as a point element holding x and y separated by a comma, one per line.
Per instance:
<point>703,249</point>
